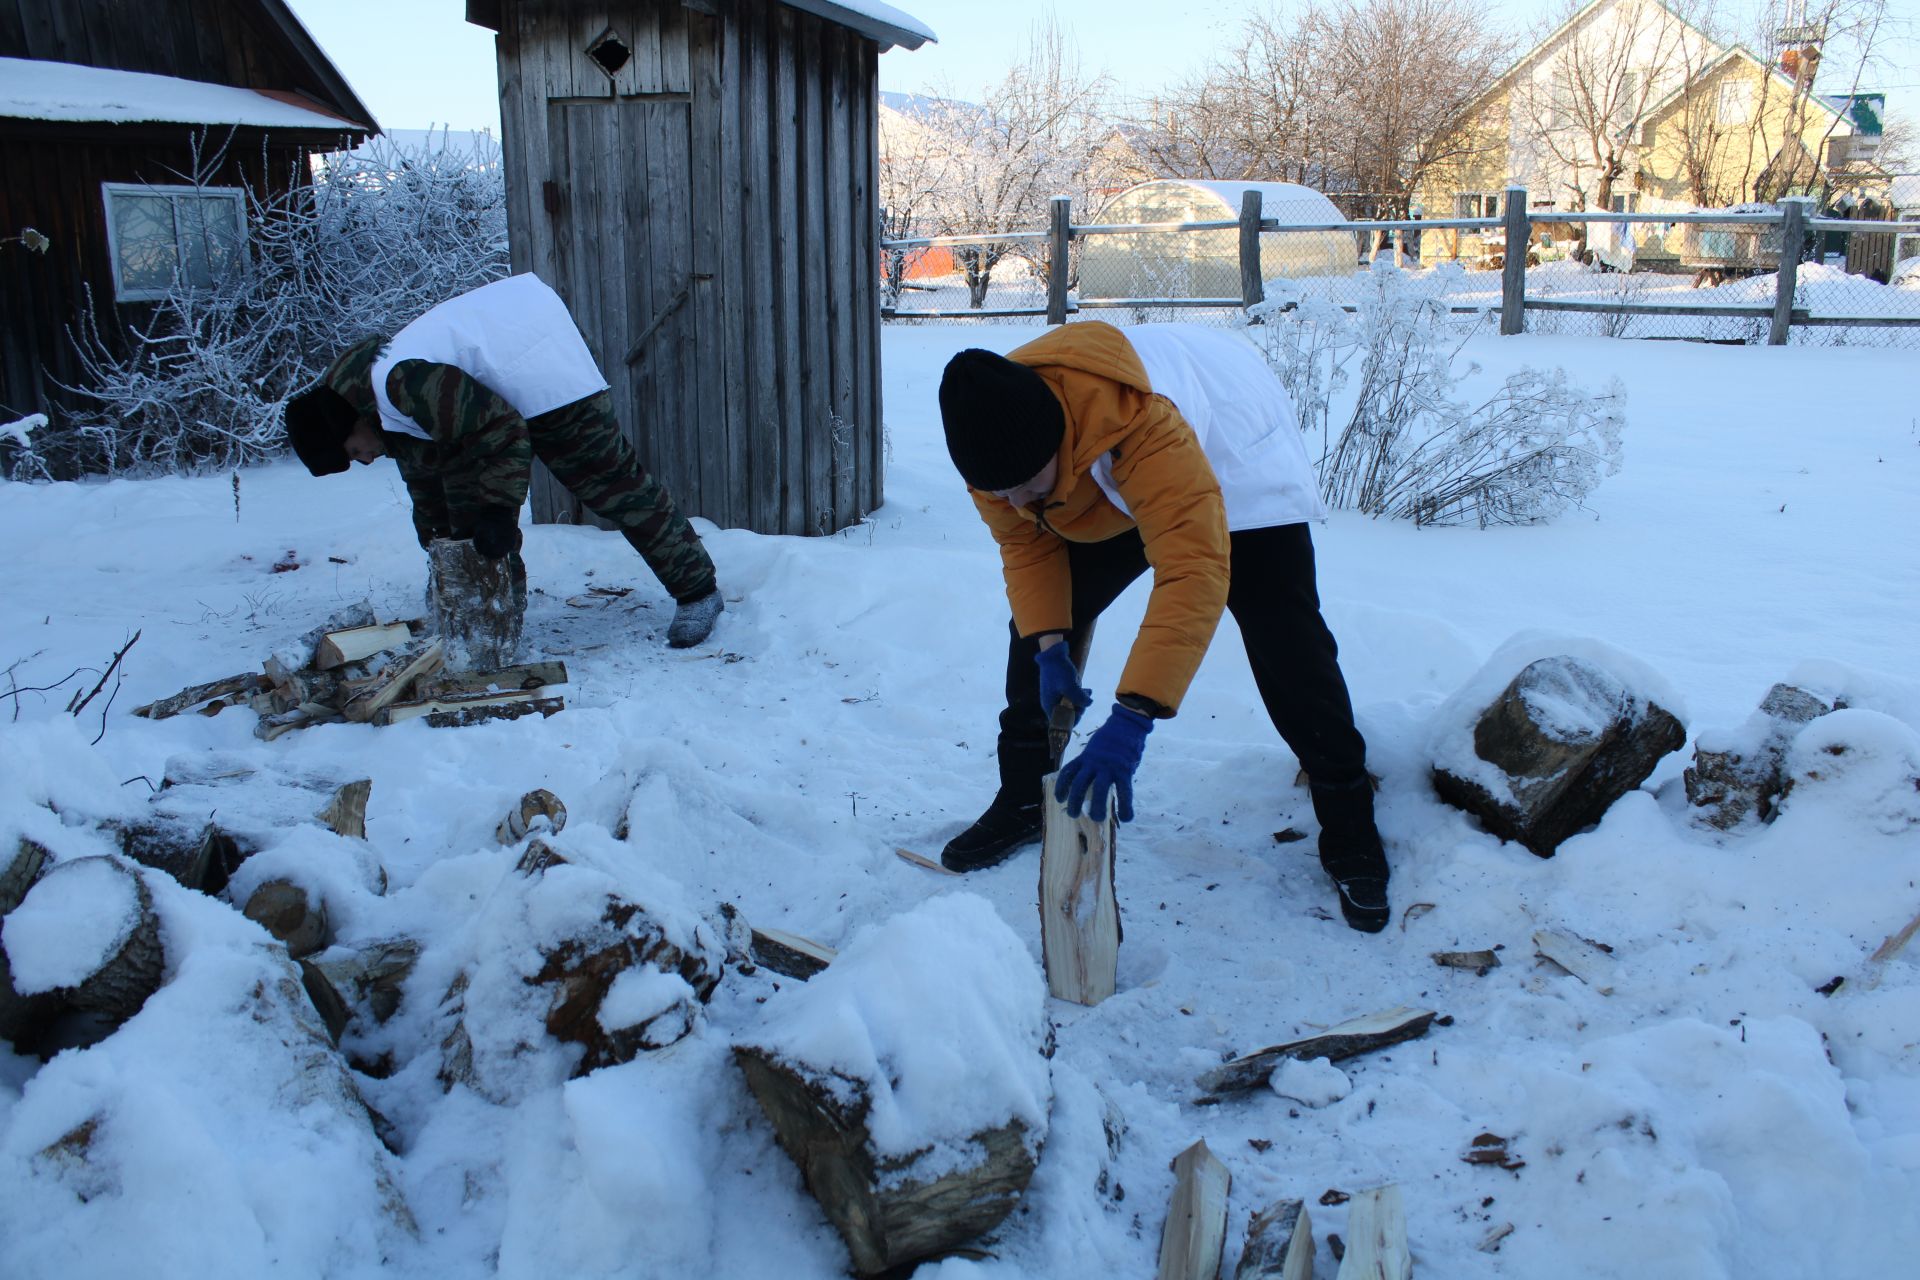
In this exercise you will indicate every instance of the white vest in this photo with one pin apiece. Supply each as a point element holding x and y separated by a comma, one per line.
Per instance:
<point>514,336</point>
<point>1244,420</point>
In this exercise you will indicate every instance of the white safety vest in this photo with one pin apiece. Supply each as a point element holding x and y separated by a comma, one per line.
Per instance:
<point>514,336</point>
<point>1242,416</point>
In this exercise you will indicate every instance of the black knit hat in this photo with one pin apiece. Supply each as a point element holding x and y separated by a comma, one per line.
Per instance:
<point>1003,421</point>
<point>320,418</point>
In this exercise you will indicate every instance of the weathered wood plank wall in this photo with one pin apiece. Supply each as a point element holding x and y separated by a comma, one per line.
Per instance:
<point>705,209</point>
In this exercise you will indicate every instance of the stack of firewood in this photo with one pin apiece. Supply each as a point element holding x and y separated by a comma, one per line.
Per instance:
<point>360,670</point>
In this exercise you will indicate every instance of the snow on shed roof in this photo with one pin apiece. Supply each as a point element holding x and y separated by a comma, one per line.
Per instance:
<point>33,89</point>
<point>1286,201</point>
<point>872,18</point>
<point>1906,191</point>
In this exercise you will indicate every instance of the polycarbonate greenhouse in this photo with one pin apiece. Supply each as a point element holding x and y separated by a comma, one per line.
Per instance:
<point>1206,264</point>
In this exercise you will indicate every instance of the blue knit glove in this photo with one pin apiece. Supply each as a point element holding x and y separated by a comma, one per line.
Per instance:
<point>1060,682</point>
<point>1109,760</point>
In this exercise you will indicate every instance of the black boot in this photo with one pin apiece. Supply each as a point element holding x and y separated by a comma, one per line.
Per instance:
<point>1008,825</point>
<point>1350,851</point>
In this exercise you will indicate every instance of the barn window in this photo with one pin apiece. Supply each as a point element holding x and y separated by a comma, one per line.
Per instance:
<point>160,233</point>
<point>609,51</point>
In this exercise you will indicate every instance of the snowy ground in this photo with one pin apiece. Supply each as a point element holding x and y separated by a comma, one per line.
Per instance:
<point>1713,1116</point>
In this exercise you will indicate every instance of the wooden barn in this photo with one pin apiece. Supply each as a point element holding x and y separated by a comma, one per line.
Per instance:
<point>696,178</point>
<point>101,105</point>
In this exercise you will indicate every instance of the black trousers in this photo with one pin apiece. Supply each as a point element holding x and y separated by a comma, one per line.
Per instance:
<point>1274,599</point>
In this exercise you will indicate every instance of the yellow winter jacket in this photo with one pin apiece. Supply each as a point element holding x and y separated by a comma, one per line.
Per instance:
<point>1162,476</point>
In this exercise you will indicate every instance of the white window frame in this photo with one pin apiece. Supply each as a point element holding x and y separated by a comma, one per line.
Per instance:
<point>1478,204</point>
<point>173,193</point>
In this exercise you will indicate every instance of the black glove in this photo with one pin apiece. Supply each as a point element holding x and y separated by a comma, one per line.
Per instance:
<point>497,533</point>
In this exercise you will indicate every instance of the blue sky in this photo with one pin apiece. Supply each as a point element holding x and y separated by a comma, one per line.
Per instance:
<point>418,62</point>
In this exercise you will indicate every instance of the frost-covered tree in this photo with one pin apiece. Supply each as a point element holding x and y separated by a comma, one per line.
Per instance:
<point>1038,133</point>
<point>379,236</point>
<point>1406,446</point>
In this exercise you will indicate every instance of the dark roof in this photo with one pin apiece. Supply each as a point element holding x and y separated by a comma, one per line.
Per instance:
<point>876,21</point>
<point>339,92</point>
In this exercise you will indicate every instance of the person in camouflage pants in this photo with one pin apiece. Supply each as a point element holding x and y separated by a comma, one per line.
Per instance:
<point>468,468</point>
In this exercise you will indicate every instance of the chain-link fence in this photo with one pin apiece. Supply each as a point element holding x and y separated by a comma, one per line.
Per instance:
<point>1715,276</point>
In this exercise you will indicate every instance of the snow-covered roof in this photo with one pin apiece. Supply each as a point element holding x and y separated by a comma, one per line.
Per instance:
<point>872,18</point>
<point>32,89</point>
<point>1905,191</point>
<point>1285,201</point>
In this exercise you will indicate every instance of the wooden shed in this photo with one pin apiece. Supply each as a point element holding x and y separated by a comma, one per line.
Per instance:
<point>101,104</point>
<point>696,178</point>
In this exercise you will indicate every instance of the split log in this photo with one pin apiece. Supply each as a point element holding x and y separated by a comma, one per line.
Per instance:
<point>1578,957</point>
<point>291,914</point>
<point>87,933</point>
<point>247,682</point>
<point>538,857</point>
<point>581,972</point>
<point>471,707</point>
<point>538,810</point>
<point>464,717</point>
<point>346,813</point>
<point>790,954</point>
<point>365,979</point>
<point>393,684</point>
<point>887,1217</point>
<point>1377,1237</point>
<point>1279,1244</point>
<point>337,648</point>
<point>1195,1233</point>
<point>530,675</point>
<point>1079,919</point>
<point>1347,1040</point>
<point>304,716</point>
<point>479,605</point>
<point>1734,775</point>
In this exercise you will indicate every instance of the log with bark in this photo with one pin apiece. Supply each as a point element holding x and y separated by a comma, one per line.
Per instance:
<point>1279,1244</point>
<point>1348,1039</point>
<point>1195,1233</point>
<point>242,685</point>
<point>292,914</point>
<point>483,712</point>
<point>479,605</point>
<point>581,972</point>
<point>1079,918</point>
<point>888,1217</point>
<point>395,681</point>
<point>538,810</point>
<point>789,953</point>
<point>522,678</point>
<point>21,1016</point>
<point>86,933</point>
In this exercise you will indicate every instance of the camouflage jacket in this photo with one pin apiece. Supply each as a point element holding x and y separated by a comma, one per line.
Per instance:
<point>480,456</point>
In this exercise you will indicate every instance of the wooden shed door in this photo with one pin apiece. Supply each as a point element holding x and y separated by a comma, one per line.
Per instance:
<point>620,203</point>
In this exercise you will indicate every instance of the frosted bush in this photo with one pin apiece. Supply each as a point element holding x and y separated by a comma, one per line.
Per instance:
<point>379,236</point>
<point>1405,445</point>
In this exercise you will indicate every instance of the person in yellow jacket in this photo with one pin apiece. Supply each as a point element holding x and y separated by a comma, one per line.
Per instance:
<point>1096,456</point>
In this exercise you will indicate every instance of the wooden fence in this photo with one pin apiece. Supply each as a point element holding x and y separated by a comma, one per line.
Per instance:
<point>1513,233</point>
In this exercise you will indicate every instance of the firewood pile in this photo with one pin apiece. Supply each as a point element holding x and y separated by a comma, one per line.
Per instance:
<point>356,669</point>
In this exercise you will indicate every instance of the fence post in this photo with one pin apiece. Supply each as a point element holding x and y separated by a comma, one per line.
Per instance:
<point>1253,288</point>
<point>1061,209</point>
<point>1793,238</point>
<point>1513,278</point>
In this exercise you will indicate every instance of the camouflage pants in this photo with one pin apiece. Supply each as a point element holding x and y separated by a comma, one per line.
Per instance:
<point>582,445</point>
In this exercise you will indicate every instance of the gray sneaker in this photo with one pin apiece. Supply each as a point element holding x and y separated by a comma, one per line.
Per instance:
<point>693,621</point>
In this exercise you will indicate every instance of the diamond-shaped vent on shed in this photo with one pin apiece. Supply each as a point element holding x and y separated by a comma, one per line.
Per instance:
<point>609,52</point>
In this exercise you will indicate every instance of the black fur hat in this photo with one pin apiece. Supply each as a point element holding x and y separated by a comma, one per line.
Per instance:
<point>1003,422</point>
<point>318,420</point>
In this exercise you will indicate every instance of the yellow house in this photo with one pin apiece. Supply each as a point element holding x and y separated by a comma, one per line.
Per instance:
<point>1629,107</point>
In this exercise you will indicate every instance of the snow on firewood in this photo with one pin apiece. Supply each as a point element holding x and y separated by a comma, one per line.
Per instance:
<point>938,1013</point>
<point>69,924</point>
